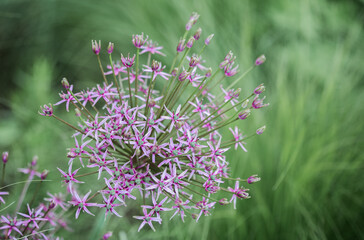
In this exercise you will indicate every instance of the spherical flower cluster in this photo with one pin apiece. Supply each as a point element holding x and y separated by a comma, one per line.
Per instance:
<point>144,144</point>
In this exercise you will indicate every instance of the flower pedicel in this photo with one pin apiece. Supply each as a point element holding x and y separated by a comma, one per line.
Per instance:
<point>144,143</point>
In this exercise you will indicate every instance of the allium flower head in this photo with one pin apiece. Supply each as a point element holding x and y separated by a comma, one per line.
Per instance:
<point>260,60</point>
<point>139,40</point>
<point>208,39</point>
<point>5,157</point>
<point>127,61</point>
<point>181,45</point>
<point>96,46</point>
<point>154,137</point>
<point>110,48</point>
<point>46,110</point>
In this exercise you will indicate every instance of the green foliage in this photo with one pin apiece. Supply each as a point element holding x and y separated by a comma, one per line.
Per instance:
<point>310,156</point>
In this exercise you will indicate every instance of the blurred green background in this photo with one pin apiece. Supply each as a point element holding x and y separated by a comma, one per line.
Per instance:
<point>310,158</point>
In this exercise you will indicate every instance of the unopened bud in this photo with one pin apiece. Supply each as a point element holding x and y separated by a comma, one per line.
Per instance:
<point>253,179</point>
<point>229,56</point>
<point>174,72</point>
<point>194,216</point>
<point>258,90</point>
<point>190,42</point>
<point>34,161</point>
<point>152,103</point>
<point>197,34</point>
<point>155,65</point>
<point>44,174</point>
<point>138,152</point>
<point>5,157</point>
<point>260,130</point>
<point>107,236</point>
<point>96,46</point>
<point>110,48</point>
<point>51,205</point>
<point>65,83</point>
<point>78,112</point>
<point>181,45</point>
<point>260,60</point>
<point>183,75</point>
<point>208,39</point>
<point>224,63</point>
<point>194,61</point>
<point>223,201</point>
<point>71,155</point>
<point>208,72</point>
<point>243,115</point>
<point>237,92</point>
<point>245,103</point>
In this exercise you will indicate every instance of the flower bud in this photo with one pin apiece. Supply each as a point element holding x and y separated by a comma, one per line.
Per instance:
<point>223,201</point>
<point>242,193</point>
<point>224,63</point>
<point>260,130</point>
<point>192,21</point>
<point>183,75</point>
<point>46,110</point>
<point>253,179</point>
<point>190,42</point>
<point>208,72</point>
<point>181,45</point>
<point>197,34</point>
<point>110,48</point>
<point>260,60</point>
<point>174,72</point>
<point>152,103</point>
<point>51,205</point>
<point>155,65</point>
<point>258,102</point>
<point>194,61</point>
<point>44,174</point>
<point>208,39</point>
<point>65,83</point>
<point>107,236</point>
<point>245,103</point>
<point>236,93</point>
<point>138,40</point>
<point>96,46</point>
<point>127,61</point>
<point>258,90</point>
<point>78,112</point>
<point>188,26</point>
<point>34,161</point>
<point>5,157</point>
<point>243,115</point>
<point>71,155</point>
<point>194,216</point>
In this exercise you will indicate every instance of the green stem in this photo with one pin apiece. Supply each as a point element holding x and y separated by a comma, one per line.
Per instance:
<point>102,70</point>
<point>115,80</point>
<point>136,77</point>
<point>129,82</point>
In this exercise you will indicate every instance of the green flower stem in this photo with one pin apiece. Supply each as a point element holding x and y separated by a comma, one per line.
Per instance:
<point>130,95</point>
<point>136,77</point>
<point>115,80</point>
<point>102,69</point>
<point>68,124</point>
